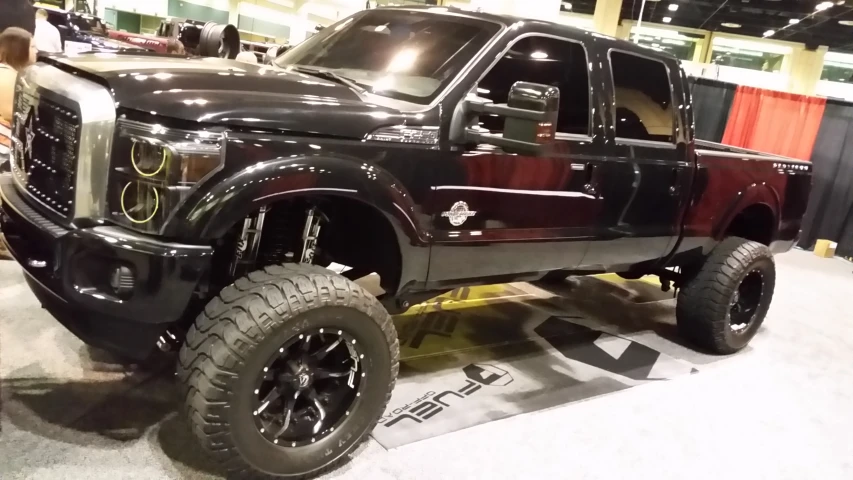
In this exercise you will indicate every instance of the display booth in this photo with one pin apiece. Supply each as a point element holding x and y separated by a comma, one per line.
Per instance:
<point>809,128</point>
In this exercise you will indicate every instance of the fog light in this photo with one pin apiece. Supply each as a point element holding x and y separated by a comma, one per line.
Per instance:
<point>121,280</point>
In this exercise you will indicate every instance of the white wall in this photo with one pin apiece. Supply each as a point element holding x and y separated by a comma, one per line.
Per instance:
<point>738,76</point>
<point>826,88</point>
<point>157,8</point>
<point>224,5</point>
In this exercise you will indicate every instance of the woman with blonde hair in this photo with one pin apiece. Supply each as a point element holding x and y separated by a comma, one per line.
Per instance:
<point>16,53</point>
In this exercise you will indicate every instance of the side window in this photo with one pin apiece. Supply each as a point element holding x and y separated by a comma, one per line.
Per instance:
<point>548,61</point>
<point>644,109</point>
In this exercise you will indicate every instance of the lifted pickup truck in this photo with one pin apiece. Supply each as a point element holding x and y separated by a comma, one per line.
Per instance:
<point>196,203</point>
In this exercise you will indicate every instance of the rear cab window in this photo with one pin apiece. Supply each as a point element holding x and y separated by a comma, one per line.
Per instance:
<point>643,99</point>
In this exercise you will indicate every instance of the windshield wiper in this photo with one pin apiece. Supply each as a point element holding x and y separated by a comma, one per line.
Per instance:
<point>330,75</point>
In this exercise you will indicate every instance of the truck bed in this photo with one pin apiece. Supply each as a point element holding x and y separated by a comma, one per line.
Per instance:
<point>704,147</point>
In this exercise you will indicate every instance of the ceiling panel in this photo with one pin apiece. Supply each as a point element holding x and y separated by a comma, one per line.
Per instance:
<point>754,18</point>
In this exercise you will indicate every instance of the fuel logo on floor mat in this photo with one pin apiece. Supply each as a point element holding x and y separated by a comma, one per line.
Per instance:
<point>431,404</point>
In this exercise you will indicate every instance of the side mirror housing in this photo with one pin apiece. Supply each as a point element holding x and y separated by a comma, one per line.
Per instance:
<point>530,123</point>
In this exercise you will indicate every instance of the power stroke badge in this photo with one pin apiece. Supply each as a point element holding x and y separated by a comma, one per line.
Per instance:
<point>458,213</point>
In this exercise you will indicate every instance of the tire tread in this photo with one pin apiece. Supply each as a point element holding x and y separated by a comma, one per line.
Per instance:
<point>703,302</point>
<point>233,324</point>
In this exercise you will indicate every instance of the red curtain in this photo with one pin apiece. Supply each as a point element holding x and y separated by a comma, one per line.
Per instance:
<point>774,122</point>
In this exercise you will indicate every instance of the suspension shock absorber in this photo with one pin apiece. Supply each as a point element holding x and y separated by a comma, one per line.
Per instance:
<point>310,234</point>
<point>246,252</point>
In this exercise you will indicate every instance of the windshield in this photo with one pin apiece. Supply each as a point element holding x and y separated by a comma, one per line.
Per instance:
<point>89,24</point>
<point>406,55</point>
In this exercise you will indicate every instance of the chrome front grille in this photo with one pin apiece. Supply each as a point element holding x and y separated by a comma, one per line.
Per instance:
<point>62,134</point>
<point>46,158</point>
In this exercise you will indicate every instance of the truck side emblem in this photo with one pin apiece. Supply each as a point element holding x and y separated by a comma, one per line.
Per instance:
<point>458,213</point>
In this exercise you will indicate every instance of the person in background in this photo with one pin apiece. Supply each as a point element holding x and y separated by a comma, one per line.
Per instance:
<point>16,53</point>
<point>175,47</point>
<point>46,37</point>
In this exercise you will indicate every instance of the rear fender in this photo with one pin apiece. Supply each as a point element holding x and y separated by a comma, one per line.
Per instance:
<point>756,193</point>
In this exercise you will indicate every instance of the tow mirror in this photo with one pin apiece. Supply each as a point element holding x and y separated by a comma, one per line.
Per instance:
<point>530,119</point>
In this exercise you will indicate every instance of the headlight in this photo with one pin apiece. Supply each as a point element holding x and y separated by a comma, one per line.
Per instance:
<point>154,169</point>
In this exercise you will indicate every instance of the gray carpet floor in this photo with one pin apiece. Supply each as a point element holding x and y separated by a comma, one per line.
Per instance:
<point>782,409</point>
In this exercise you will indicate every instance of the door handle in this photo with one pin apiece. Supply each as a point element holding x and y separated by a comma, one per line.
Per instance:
<point>675,182</point>
<point>591,181</point>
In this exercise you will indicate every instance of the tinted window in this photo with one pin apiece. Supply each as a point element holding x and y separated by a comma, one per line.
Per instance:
<point>407,55</point>
<point>56,19</point>
<point>644,109</point>
<point>548,61</point>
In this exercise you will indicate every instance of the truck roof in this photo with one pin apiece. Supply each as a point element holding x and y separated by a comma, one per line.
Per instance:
<point>508,20</point>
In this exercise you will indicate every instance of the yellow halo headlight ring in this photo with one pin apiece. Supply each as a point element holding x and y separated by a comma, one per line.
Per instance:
<point>136,167</point>
<point>156,205</point>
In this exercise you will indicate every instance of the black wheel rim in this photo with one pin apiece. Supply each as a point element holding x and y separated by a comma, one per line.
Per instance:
<point>308,388</point>
<point>746,301</point>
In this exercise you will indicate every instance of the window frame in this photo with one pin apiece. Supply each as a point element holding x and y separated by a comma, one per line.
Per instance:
<point>675,118</point>
<point>558,135</point>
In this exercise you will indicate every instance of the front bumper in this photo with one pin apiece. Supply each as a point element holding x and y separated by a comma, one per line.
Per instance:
<point>69,271</point>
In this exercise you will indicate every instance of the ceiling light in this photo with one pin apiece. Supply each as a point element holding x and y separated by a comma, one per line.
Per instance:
<point>539,55</point>
<point>769,33</point>
<point>823,6</point>
<point>667,19</point>
<point>846,23</point>
<point>794,21</point>
<point>730,25</point>
<point>673,7</point>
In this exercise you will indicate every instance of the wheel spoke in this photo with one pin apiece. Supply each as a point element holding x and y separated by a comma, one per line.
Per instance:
<point>306,344</point>
<point>322,373</point>
<point>288,414</point>
<point>271,397</point>
<point>321,412</point>
<point>321,354</point>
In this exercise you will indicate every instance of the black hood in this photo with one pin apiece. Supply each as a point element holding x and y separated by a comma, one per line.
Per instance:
<point>226,92</point>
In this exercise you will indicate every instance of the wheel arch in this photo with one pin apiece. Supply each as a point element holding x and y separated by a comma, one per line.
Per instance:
<point>753,215</point>
<point>365,187</point>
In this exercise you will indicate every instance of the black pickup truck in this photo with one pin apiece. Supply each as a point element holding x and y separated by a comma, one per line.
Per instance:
<point>196,203</point>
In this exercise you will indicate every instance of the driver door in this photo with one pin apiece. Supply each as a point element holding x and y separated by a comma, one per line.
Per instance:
<point>500,214</point>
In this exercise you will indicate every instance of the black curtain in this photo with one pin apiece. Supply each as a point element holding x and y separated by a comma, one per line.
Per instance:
<point>712,101</point>
<point>830,212</point>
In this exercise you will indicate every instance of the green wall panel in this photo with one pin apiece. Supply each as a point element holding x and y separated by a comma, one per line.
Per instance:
<point>129,22</point>
<point>110,17</point>
<point>263,27</point>
<point>191,11</point>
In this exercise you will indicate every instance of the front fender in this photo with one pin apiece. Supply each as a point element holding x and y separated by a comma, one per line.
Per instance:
<point>233,198</point>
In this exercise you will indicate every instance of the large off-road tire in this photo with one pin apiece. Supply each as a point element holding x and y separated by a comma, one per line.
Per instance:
<point>256,340</point>
<point>723,305</point>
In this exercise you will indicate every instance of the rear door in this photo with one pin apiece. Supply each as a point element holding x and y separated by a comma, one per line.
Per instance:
<point>496,213</point>
<point>645,178</point>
